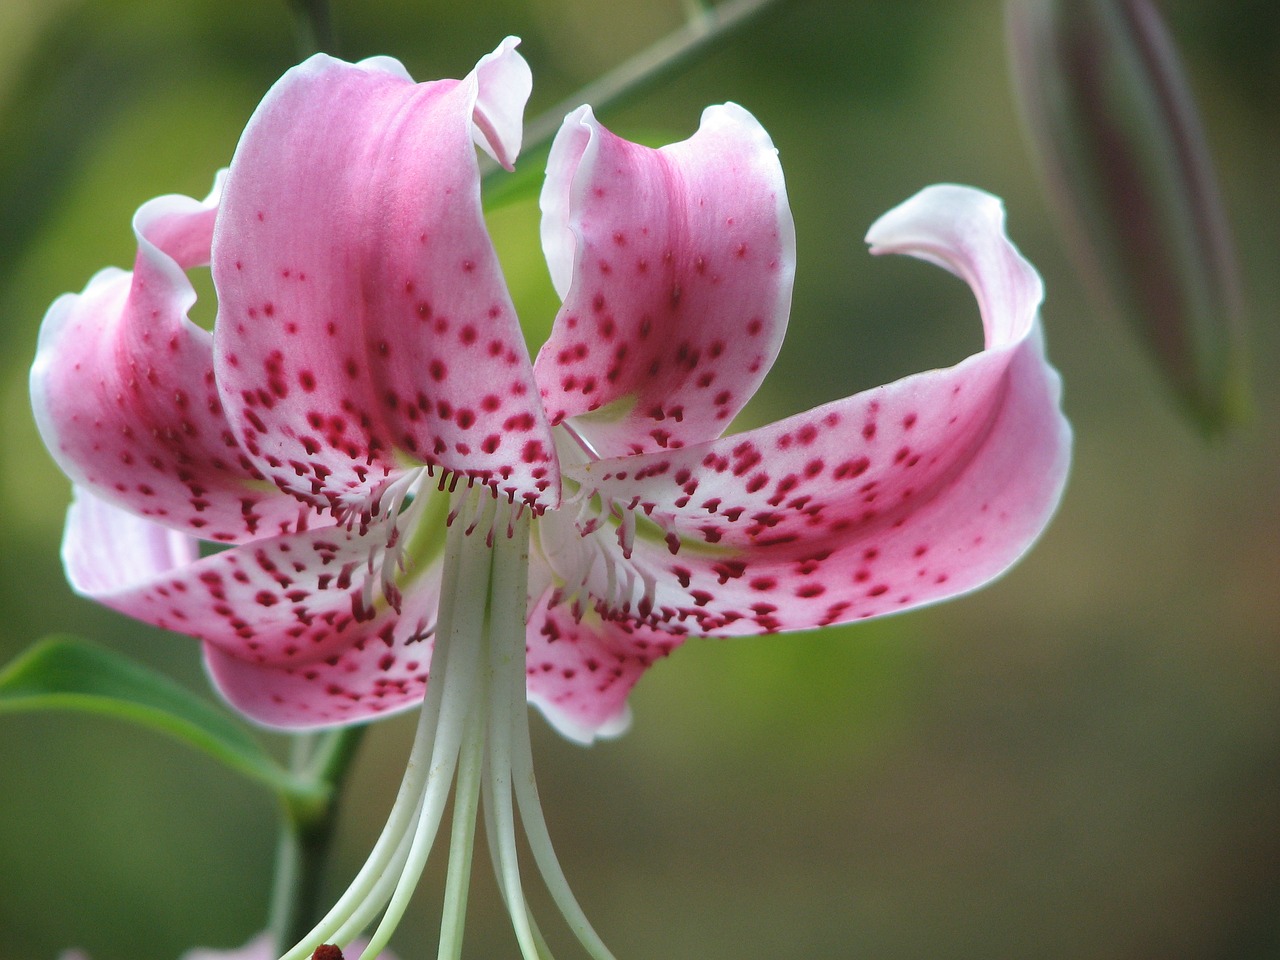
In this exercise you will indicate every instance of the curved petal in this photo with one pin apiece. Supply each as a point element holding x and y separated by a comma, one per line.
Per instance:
<point>106,549</point>
<point>122,390</point>
<point>288,601</point>
<point>900,496</point>
<point>961,229</point>
<point>676,268</point>
<point>362,681</point>
<point>581,668</point>
<point>364,324</point>
<point>504,83</point>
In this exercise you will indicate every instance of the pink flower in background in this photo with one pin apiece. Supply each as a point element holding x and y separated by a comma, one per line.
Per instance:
<point>403,494</point>
<point>259,948</point>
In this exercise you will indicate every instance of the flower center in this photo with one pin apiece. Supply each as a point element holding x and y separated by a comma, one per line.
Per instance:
<point>588,544</point>
<point>472,729</point>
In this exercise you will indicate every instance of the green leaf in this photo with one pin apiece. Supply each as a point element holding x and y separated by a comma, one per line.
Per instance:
<point>68,674</point>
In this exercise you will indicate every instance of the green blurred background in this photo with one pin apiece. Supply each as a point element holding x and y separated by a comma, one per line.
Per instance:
<point>1081,762</point>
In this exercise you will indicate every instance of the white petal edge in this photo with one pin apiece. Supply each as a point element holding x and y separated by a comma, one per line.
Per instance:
<point>106,550</point>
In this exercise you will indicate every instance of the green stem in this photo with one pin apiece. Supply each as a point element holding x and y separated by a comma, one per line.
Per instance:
<point>306,832</point>
<point>333,755</point>
<point>314,28</point>
<point>695,11</point>
<point>625,82</point>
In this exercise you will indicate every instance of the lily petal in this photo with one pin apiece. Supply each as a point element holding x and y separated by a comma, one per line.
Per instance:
<point>106,549</point>
<point>291,601</point>
<point>122,390</point>
<point>383,671</point>
<point>364,324</point>
<point>283,645</point>
<point>675,267</point>
<point>581,669</point>
<point>503,82</point>
<point>901,496</point>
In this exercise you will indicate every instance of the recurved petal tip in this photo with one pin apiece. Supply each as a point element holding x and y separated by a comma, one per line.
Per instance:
<point>504,82</point>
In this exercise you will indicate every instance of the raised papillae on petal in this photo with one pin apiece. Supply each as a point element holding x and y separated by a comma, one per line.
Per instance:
<point>123,390</point>
<point>364,324</point>
<point>676,267</point>
<point>382,667</point>
<point>900,496</point>
<point>580,669</point>
<point>297,629</point>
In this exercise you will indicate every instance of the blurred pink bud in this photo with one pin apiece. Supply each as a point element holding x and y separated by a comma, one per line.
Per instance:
<point>1112,119</point>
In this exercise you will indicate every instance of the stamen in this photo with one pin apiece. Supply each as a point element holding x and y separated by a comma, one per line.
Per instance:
<point>466,632</point>
<point>491,831</point>
<point>385,506</point>
<point>381,891</point>
<point>370,890</point>
<point>462,840</point>
<point>507,699</point>
<point>586,526</point>
<point>611,580</point>
<point>474,723</point>
<point>544,854</point>
<point>511,765</point>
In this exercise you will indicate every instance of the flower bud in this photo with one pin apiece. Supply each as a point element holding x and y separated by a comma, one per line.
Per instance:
<point>1123,154</point>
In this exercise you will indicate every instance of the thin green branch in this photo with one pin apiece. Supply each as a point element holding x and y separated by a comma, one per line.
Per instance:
<point>678,49</point>
<point>695,11</point>
<point>333,755</point>
<point>314,27</point>
<point>306,832</point>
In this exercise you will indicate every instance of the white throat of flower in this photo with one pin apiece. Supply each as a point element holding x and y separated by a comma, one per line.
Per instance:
<point>473,726</point>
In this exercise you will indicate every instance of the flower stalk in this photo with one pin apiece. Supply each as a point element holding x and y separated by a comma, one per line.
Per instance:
<point>307,829</point>
<point>314,27</point>
<point>705,26</point>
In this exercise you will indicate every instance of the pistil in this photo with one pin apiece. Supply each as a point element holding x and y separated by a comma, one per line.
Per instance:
<point>473,723</point>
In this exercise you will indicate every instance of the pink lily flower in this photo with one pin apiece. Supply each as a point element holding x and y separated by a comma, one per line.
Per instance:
<point>404,494</point>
